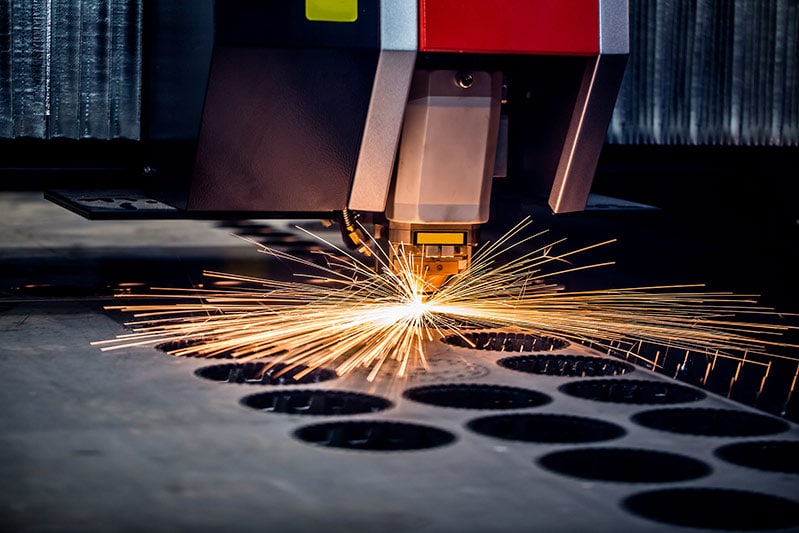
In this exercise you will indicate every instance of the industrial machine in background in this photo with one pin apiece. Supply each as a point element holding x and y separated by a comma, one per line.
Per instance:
<point>399,112</point>
<point>396,114</point>
<point>395,108</point>
<point>237,109</point>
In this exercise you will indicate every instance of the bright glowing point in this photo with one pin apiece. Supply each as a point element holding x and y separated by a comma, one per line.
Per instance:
<point>417,306</point>
<point>349,316</point>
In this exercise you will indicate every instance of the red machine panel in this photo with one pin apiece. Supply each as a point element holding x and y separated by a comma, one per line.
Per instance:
<point>550,27</point>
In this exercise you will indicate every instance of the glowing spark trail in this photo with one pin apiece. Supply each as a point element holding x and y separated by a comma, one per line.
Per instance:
<point>350,316</point>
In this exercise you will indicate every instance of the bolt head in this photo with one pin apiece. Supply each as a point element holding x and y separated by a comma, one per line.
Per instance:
<point>464,79</point>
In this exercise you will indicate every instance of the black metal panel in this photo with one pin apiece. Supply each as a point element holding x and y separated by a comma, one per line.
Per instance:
<point>177,45</point>
<point>541,101</point>
<point>178,40</point>
<point>281,128</point>
<point>283,24</point>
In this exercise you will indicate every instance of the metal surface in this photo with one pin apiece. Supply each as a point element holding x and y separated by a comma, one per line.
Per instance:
<point>586,133</point>
<point>381,132</point>
<point>398,43</point>
<point>177,47</point>
<point>399,25</point>
<point>252,108</point>
<point>135,440</point>
<point>70,69</point>
<point>444,250</point>
<point>614,35</point>
<point>91,439</point>
<point>448,150</point>
<point>709,73</point>
<point>273,139</point>
<point>285,109</point>
<point>445,169</point>
<point>114,203</point>
<point>509,26</point>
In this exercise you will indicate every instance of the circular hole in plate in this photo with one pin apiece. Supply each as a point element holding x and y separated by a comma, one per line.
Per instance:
<point>264,374</point>
<point>175,345</point>
<point>438,371</point>
<point>315,402</point>
<point>469,396</point>
<point>566,365</point>
<point>714,508</point>
<point>374,435</point>
<point>624,465</point>
<point>505,342</point>
<point>631,391</point>
<point>710,422</point>
<point>770,455</point>
<point>170,346</point>
<point>546,428</point>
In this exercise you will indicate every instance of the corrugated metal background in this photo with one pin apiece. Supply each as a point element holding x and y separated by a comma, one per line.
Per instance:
<point>711,72</point>
<point>701,72</point>
<point>70,68</point>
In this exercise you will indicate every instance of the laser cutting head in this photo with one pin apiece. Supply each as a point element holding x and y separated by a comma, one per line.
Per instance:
<point>400,110</point>
<point>454,136</point>
<point>403,109</point>
<point>441,191</point>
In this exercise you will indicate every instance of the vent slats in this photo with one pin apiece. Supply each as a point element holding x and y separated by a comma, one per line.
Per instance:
<point>70,68</point>
<point>707,72</point>
<point>701,72</point>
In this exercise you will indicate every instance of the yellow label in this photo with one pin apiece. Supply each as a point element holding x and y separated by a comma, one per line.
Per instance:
<point>331,10</point>
<point>424,237</point>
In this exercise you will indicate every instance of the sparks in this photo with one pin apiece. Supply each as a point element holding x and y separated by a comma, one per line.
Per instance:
<point>349,315</point>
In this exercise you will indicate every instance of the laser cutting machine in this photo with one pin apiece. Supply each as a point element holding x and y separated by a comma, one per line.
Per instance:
<point>396,112</point>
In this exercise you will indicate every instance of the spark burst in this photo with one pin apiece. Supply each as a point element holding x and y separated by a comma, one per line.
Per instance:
<point>348,316</point>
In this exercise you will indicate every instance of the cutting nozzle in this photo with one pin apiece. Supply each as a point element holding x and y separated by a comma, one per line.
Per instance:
<point>432,266</point>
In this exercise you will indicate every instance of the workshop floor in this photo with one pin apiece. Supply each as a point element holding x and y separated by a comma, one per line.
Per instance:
<point>137,440</point>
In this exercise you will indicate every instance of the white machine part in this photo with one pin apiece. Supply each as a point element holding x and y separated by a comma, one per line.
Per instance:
<point>447,155</point>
